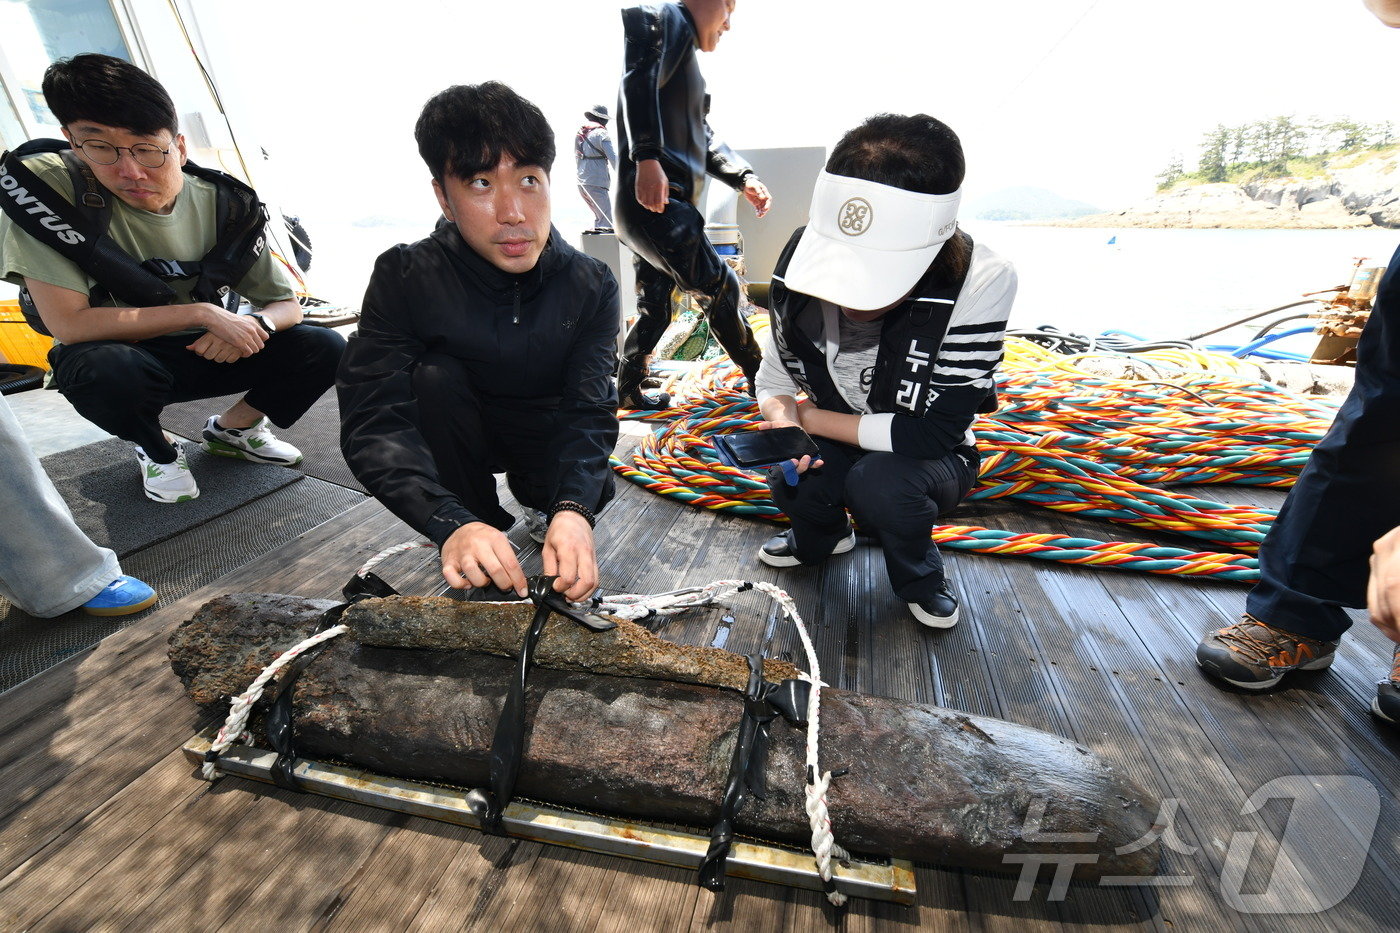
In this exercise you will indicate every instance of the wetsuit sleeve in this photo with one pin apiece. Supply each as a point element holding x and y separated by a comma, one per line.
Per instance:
<point>588,408</point>
<point>965,371</point>
<point>379,415</point>
<point>643,41</point>
<point>724,163</point>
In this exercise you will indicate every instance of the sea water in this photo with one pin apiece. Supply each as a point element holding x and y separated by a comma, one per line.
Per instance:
<point>1160,284</point>
<point>1172,284</point>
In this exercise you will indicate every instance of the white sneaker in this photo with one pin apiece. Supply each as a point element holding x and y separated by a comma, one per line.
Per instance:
<point>256,443</point>
<point>167,482</point>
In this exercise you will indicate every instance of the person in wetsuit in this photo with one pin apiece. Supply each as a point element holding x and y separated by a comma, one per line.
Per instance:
<point>665,147</point>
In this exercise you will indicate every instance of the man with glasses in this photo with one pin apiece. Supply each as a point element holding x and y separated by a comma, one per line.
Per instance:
<point>123,251</point>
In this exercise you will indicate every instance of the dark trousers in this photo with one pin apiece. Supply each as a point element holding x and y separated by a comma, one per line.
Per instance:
<point>472,437</point>
<point>123,387</point>
<point>1316,559</point>
<point>672,250</point>
<point>894,498</point>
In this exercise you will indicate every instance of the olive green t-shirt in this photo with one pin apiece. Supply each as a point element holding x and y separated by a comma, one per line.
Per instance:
<point>185,235</point>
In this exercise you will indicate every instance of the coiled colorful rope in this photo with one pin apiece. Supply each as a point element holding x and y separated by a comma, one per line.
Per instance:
<point>1063,439</point>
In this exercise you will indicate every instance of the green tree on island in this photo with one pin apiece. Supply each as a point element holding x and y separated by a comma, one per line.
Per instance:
<point>1272,148</point>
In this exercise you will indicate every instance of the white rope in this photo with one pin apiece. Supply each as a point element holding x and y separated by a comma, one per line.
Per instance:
<point>234,727</point>
<point>635,606</point>
<point>385,554</point>
<point>625,606</point>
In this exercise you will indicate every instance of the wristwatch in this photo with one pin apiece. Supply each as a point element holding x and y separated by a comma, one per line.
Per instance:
<point>265,323</point>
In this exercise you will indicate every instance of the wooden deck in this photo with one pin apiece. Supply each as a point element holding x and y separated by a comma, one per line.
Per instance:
<point>104,826</point>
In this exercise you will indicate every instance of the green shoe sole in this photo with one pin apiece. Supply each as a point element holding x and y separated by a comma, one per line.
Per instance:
<point>221,449</point>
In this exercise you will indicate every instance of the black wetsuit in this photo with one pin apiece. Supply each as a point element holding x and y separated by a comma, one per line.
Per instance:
<point>661,115</point>
<point>460,370</point>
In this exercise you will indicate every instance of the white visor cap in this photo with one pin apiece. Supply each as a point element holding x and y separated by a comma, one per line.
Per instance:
<point>867,244</point>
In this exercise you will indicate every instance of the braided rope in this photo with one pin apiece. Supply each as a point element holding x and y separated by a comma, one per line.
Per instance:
<point>1065,439</point>
<point>388,552</point>
<point>235,726</point>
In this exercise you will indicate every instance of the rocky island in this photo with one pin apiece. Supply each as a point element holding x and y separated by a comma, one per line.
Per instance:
<point>1350,191</point>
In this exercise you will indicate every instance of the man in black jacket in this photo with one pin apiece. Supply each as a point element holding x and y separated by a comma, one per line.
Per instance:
<point>664,149</point>
<point>487,347</point>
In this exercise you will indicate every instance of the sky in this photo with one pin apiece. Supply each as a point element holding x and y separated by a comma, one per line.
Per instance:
<point>1088,98</point>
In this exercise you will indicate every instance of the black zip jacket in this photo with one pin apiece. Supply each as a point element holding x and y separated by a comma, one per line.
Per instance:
<point>662,106</point>
<point>545,338</point>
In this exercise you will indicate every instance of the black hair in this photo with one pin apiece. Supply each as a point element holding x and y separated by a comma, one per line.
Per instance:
<point>467,128</point>
<point>110,91</point>
<point>916,153</point>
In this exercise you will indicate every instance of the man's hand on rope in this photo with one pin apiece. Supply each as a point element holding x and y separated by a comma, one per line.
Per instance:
<point>479,555</point>
<point>568,554</point>
<point>1383,593</point>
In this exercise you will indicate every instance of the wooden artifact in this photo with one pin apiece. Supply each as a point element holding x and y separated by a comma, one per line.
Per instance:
<point>622,722</point>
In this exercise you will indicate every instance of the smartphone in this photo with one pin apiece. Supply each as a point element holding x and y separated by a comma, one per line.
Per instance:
<point>748,449</point>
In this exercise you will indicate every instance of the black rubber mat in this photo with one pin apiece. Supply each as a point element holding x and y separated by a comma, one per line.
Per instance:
<point>317,434</point>
<point>175,567</point>
<point>101,484</point>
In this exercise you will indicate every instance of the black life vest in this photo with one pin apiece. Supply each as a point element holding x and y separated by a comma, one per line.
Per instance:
<point>910,341</point>
<point>78,232</point>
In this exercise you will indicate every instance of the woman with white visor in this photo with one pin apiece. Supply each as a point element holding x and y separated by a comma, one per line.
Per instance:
<point>890,320</point>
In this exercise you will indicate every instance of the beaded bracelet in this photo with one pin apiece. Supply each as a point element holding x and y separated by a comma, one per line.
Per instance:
<point>567,506</point>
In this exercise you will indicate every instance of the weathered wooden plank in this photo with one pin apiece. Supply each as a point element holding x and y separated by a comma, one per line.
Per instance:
<point>54,874</point>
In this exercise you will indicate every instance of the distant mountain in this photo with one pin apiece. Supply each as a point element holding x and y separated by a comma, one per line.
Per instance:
<point>1025,203</point>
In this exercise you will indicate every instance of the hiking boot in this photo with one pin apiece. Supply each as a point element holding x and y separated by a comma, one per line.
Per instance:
<point>536,523</point>
<point>940,611</point>
<point>167,482</point>
<point>256,443</point>
<point>121,597</point>
<point>1252,655</point>
<point>778,551</point>
<point>1386,705</point>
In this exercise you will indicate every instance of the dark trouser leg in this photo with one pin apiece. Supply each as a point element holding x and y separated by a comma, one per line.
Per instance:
<point>293,370</point>
<point>816,506</point>
<point>899,499</point>
<point>123,387</point>
<point>120,387</point>
<point>1316,558</point>
<point>729,327</point>
<point>653,315</point>
<point>471,439</point>
<point>674,241</point>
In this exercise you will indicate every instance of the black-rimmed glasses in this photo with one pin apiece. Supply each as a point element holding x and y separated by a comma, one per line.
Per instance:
<point>151,156</point>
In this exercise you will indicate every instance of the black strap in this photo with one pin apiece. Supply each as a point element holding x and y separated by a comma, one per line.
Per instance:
<point>763,702</point>
<point>278,722</point>
<point>508,744</point>
<point>40,211</point>
<point>79,231</point>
